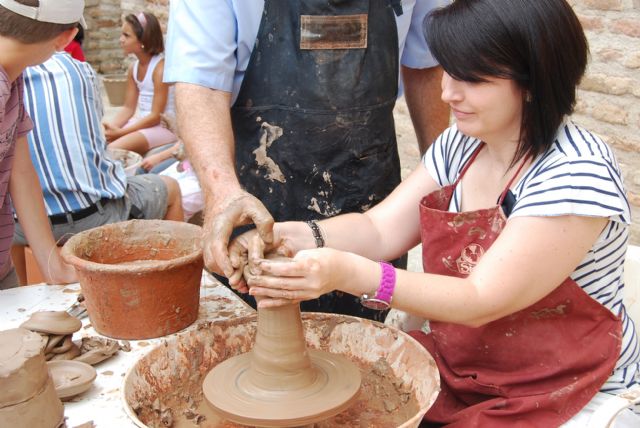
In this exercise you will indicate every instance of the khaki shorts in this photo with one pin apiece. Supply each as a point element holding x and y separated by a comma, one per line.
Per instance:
<point>146,193</point>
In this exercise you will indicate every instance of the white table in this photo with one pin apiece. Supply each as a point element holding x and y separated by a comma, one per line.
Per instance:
<point>103,403</point>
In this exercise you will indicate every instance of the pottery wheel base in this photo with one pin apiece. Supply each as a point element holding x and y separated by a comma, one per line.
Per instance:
<point>230,391</point>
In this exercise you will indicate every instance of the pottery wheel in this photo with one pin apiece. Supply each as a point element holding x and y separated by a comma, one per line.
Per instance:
<point>230,389</point>
<point>281,383</point>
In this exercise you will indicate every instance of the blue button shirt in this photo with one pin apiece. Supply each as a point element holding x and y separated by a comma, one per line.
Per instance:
<point>209,43</point>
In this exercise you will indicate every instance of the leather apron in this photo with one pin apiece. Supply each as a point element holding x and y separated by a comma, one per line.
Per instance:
<point>535,368</point>
<point>313,120</point>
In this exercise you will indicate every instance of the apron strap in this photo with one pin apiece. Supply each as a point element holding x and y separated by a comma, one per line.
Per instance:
<point>508,186</point>
<point>469,162</point>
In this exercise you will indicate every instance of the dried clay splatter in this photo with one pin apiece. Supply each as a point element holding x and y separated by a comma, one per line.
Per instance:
<point>268,135</point>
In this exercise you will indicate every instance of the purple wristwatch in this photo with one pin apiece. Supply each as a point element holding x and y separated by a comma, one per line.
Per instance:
<point>384,293</point>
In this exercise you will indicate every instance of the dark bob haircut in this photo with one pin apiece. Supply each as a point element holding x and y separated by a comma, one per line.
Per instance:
<point>150,36</point>
<point>539,44</point>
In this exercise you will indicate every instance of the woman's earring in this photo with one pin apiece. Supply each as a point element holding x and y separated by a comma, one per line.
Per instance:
<point>141,46</point>
<point>527,97</point>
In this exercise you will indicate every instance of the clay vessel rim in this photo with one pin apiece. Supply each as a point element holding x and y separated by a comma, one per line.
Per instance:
<point>254,318</point>
<point>142,266</point>
<point>87,376</point>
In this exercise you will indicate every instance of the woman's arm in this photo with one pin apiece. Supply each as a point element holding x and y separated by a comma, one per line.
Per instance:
<point>531,257</point>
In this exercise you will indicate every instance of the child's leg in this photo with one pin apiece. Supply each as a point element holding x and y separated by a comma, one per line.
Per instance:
<point>174,200</point>
<point>136,141</point>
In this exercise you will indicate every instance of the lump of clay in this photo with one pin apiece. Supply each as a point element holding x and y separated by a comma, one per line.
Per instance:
<point>52,322</point>
<point>22,367</point>
<point>27,395</point>
<point>70,378</point>
<point>97,349</point>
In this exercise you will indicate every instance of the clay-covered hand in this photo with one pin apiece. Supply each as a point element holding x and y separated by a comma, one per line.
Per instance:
<point>239,209</point>
<point>59,272</point>
<point>248,249</point>
<point>310,274</point>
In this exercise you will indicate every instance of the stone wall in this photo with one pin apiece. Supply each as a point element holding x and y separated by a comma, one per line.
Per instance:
<point>608,99</point>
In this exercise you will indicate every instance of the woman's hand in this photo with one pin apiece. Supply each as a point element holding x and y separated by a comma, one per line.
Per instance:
<point>247,250</point>
<point>310,274</point>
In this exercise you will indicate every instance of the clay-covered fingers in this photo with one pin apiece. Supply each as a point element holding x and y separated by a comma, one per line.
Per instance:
<point>284,280</point>
<point>274,303</point>
<point>240,210</point>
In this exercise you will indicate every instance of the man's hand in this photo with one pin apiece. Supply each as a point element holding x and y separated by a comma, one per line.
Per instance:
<point>239,209</point>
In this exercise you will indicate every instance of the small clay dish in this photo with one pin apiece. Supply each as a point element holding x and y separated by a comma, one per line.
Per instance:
<point>52,322</point>
<point>71,377</point>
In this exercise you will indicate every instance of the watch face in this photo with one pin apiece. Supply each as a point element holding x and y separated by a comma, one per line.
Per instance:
<point>376,304</point>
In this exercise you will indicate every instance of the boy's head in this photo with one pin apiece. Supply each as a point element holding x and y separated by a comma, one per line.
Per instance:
<point>34,21</point>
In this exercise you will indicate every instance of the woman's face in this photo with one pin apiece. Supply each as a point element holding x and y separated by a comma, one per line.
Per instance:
<point>128,40</point>
<point>490,111</point>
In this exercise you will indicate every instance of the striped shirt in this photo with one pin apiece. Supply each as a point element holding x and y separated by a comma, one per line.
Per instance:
<point>68,145</point>
<point>14,123</point>
<point>577,175</point>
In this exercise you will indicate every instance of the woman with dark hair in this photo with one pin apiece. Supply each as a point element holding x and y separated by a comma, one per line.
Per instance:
<point>523,221</point>
<point>143,122</point>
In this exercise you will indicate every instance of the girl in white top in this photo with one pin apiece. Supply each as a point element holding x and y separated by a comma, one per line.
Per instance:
<point>142,123</point>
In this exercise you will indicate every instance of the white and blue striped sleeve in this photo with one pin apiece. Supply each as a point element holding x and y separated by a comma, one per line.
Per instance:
<point>585,185</point>
<point>446,157</point>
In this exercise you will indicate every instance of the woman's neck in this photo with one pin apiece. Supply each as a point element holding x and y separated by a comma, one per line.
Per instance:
<point>501,149</point>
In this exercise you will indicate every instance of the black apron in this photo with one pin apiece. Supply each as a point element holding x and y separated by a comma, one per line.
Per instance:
<point>313,121</point>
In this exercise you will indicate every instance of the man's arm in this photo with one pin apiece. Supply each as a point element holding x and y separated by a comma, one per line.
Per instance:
<point>429,115</point>
<point>204,124</point>
<point>26,196</point>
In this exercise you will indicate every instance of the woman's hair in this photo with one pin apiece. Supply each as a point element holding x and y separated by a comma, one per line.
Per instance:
<point>539,44</point>
<point>26,30</point>
<point>148,32</point>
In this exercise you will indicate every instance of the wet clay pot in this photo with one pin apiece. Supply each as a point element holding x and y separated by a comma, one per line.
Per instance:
<point>27,395</point>
<point>166,384</point>
<point>140,278</point>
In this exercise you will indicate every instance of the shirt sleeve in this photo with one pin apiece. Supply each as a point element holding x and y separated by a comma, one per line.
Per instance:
<point>416,53</point>
<point>584,186</point>
<point>449,153</point>
<point>201,43</point>
<point>24,124</point>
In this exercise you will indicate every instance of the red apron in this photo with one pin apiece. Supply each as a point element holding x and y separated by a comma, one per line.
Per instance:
<point>536,367</point>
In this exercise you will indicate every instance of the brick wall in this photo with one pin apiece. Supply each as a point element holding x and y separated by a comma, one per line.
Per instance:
<point>609,96</point>
<point>104,19</point>
<point>608,99</point>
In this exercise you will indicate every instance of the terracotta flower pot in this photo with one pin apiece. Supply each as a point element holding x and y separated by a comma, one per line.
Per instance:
<point>140,278</point>
<point>116,87</point>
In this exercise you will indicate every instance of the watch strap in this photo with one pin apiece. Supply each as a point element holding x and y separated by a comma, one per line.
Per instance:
<point>387,282</point>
